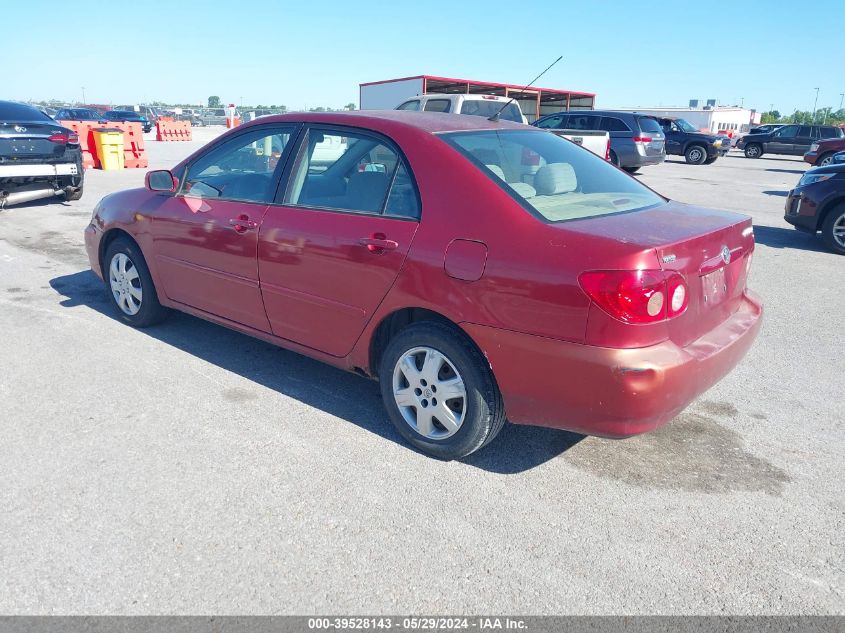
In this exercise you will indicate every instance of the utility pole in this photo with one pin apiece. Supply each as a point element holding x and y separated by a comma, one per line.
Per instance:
<point>742,102</point>
<point>815,103</point>
<point>841,95</point>
<point>83,96</point>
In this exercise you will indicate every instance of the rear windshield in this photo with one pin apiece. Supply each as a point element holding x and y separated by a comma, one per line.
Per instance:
<point>647,124</point>
<point>21,112</point>
<point>489,108</point>
<point>552,178</point>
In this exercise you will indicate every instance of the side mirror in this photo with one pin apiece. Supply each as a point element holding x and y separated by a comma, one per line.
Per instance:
<point>161,180</point>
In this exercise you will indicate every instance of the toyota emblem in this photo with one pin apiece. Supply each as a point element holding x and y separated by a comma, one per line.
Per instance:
<point>726,254</point>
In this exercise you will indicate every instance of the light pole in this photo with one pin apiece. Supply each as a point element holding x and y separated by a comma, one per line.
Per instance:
<point>83,96</point>
<point>815,103</point>
<point>841,96</point>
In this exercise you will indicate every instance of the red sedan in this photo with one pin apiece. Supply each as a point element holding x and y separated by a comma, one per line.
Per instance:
<point>481,270</point>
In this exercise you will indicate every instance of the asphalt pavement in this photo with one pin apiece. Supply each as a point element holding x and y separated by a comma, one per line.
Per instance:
<point>190,469</point>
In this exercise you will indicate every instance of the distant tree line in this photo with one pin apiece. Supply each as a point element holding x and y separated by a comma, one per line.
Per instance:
<point>823,116</point>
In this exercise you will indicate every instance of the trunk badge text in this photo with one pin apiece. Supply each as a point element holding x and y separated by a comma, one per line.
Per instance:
<point>726,254</point>
<point>668,259</point>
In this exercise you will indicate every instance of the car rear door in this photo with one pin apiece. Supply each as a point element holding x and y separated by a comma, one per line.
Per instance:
<point>332,245</point>
<point>802,141</point>
<point>205,238</point>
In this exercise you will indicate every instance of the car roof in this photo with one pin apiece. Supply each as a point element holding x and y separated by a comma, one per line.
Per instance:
<point>432,122</point>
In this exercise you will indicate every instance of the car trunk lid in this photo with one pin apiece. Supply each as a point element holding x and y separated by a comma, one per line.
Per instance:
<point>27,140</point>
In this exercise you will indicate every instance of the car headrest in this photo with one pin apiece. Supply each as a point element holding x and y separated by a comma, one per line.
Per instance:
<point>555,178</point>
<point>496,170</point>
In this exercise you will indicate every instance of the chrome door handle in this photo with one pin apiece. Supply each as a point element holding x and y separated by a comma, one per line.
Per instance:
<point>242,224</point>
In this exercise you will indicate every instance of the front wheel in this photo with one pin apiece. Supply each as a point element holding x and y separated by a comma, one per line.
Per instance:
<point>833,230</point>
<point>710,160</point>
<point>130,285</point>
<point>825,160</point>
<point>753,151</point>
<point>695,155</point>
<point>439,391</point>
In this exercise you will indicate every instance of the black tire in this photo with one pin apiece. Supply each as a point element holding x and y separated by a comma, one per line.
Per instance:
<point>825,160</point>
<point>753,150</point>
<point>73,185</point>
<point>695,154</point>
<point>484,411</point>
<point>711,160</point>
<point>834,219</point>
<point>73,194</point>
<point>614,159</point>
<point>631,170</point>
<point>150,311</point>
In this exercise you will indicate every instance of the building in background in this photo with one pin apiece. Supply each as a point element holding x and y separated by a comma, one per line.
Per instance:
<point>534,102</point>
<point>707,116</point>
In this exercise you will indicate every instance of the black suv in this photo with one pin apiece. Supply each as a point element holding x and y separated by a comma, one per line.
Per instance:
<point>697,147</point>
<point>788,139</point>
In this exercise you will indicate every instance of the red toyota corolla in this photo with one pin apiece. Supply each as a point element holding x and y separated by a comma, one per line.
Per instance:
<point>481,270</point>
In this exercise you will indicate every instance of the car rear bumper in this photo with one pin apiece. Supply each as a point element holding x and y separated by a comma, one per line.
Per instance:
<point>611,392</point>
<point>39,170</point>
<point>811,157</point>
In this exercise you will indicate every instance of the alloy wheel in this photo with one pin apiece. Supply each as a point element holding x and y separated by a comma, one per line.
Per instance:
<point>839,230</point>
<point>429,393</point>
<point>125,284</point>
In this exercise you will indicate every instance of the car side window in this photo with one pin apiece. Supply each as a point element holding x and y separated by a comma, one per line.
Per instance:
<point>612,124</point>
<point>828,132</point>
<point>805,131</point>
<point>551,123</point>
<point>583,122</point>
<point>351,172</point>
<point>410,105</point>
<point>240,169</point>
<point>788,131</point>
<point>437,105</point>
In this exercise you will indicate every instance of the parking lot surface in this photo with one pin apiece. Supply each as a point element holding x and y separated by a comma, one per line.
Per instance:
<point>190,469</point>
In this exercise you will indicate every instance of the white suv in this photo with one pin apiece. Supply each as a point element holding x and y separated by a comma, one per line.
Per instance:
<point>477,105</point>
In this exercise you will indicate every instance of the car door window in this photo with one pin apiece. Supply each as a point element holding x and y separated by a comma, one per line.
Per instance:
<point>828,132</point>
<point>583,122</point>
<point>410,105</point>
<point>789,131</point>
<point>241,169</point>
<point>437,105</point>
<point>612,124</point>
<point>805,131</point>
<point>552,122</point>
<point>351,172</point>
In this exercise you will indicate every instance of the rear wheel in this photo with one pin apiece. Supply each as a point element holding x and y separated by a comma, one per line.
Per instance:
<point>753,150</point>
<point>825,160</point>
<point>439,391</point>
<point>695,155</point>
<point>130,285</point>
<point>833,230</point>
<point>614,158</point>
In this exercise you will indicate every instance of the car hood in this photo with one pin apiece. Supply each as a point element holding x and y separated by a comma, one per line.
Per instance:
<point>835,168</point>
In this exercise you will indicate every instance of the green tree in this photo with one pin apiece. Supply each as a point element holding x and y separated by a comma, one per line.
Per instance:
<point>349,106</point>
<point>214,101</point>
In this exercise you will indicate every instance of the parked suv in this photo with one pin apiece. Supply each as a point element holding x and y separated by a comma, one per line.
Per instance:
<point>478,105</point>
<point>822,151</point>
<point>697,147</point>
<point>128,115</point>
<point>789,139</point>
<point>636,140</point>
<point>77,114</point>
<point>214,116</point>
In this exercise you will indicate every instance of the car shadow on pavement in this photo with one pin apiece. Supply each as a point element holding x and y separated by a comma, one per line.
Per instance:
<point>772,192</point>
<point>788,171</point>
<point>334,391</point>
<point>779,237</point>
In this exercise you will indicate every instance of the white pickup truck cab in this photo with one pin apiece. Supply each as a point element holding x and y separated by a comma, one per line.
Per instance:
<point>477,105</point>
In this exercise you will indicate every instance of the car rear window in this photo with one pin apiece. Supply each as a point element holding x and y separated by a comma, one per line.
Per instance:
<point>21,112</point>
<point>437,105</point>
<point>477,107</point>
<point>553,179</point>
<point>647,124</point>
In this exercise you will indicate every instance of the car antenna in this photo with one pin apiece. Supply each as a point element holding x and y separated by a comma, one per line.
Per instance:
<point>495,117</point>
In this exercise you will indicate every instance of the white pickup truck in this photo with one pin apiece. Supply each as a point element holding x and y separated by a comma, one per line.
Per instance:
<point>597,141</point>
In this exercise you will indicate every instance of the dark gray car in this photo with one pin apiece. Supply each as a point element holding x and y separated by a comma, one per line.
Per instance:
<point>636,140</point>
<point>789,139</point>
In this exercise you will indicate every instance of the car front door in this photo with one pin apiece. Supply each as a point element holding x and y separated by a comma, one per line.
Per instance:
<point>205,238</point>
<point>331,247</point>
<point>782,140</point>
<point>674,137</point>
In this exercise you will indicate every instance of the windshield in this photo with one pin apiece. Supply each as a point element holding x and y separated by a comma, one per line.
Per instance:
<point>684,125</point>
<point>551,177</point>
<point>488,108</point>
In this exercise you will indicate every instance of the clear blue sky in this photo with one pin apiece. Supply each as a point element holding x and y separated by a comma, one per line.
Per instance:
<point>316,53</point>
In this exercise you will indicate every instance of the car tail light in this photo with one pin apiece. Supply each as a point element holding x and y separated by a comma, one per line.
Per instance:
<point>637,296</point>
<point>643,139</point>
<point>60,137</point>
<point>73,138</point>
<point>607,150</point>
